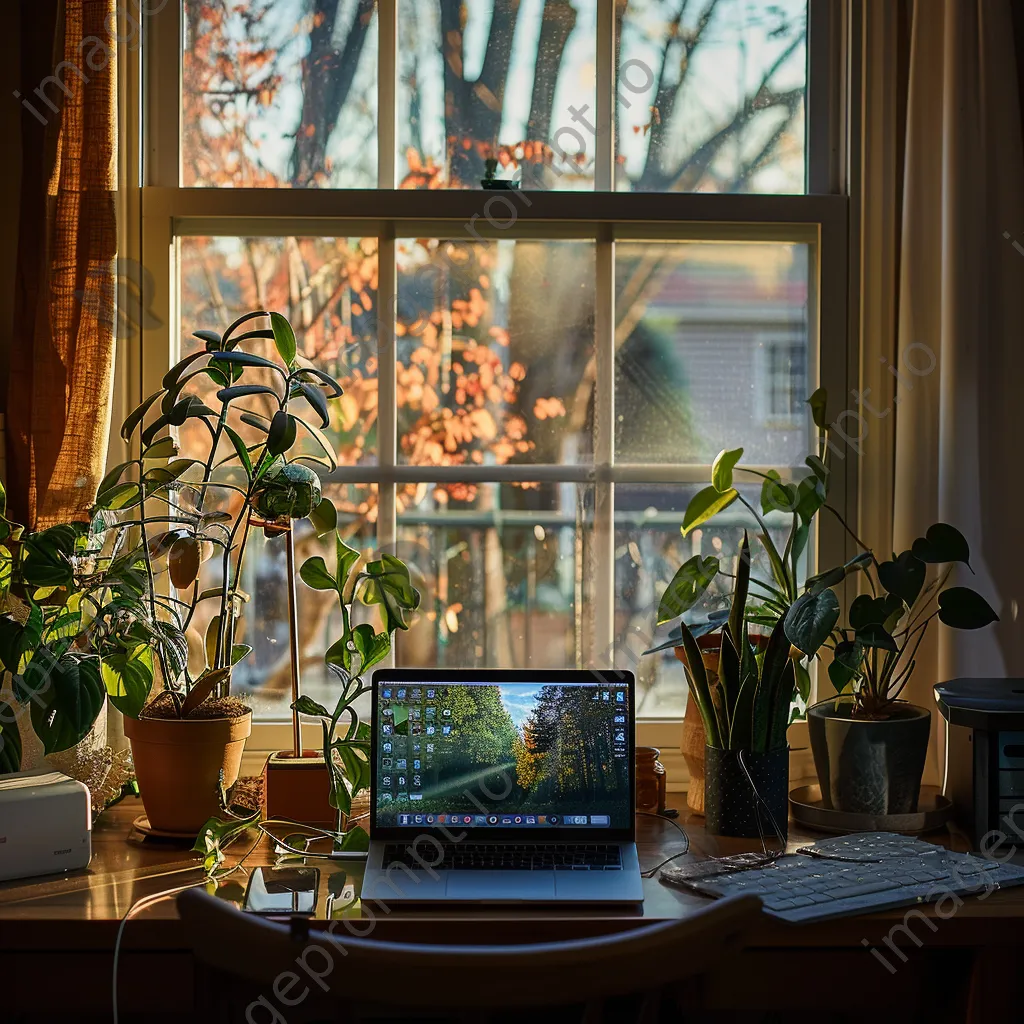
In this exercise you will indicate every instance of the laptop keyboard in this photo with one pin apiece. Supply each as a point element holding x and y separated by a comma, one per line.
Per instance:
<point>509,857</point>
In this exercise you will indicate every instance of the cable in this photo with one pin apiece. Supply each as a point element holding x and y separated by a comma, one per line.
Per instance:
<point>651,872</point>
<point>319,833</point>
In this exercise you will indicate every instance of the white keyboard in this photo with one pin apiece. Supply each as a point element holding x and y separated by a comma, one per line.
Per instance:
<point>854,875</point>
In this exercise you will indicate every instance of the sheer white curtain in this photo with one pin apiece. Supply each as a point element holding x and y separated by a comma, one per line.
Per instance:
<point>958,401</point>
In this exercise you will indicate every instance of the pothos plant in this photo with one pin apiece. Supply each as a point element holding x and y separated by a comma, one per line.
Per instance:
<point>767,599</point>
<point>105,606</point>
<point>384,582</point>
<point>873,652</point>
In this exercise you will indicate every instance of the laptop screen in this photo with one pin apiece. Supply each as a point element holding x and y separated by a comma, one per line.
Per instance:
<point>503,755</point>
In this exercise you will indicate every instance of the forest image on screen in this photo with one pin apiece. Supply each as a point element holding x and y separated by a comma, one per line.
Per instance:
<point>509,755</point>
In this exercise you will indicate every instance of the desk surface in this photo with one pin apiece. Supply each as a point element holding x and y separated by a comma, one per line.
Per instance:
<point>87,906</point>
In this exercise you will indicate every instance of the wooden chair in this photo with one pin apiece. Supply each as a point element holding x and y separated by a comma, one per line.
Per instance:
<point>264,972</point>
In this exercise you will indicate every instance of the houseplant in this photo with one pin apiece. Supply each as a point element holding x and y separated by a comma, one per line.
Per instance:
<point>869,745</point>
<point>771,595</point>
<point>745,711</point>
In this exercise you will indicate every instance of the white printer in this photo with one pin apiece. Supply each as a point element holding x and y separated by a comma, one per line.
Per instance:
<point>45,824</point>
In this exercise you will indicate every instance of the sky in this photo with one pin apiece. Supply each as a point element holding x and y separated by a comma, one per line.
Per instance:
<point>520,701</point>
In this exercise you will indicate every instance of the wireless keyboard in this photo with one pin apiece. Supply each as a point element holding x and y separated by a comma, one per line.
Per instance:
<point>852,875</point>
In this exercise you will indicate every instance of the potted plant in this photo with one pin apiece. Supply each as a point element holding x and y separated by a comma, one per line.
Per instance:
<point>771,594</point>
<point>869,745</point>
<point>745,711</point>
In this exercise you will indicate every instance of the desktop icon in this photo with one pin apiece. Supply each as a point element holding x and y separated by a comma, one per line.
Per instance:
<point>442,818</point>
<point>553,819</point>
<point>386,694</point>
<point>531,819</point>
<point>418,818</point>
<point>430,819</point>
<point>403,819</point>
<point>506,821</point>
<point>401,695</point>
<point>518,819</point>
<point>492,819</point>
<point>620,697</point>
<point>387,729</point>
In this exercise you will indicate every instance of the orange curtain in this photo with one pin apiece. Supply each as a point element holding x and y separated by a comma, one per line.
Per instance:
<point>61,366</point>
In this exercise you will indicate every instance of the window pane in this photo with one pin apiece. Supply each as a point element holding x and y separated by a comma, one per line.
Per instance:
<point>328,289</point>
<point>280,93</point>
<point>496,78</point>
<point>649,548</point>
<point>502,570</point>
<point>495,352</point>
<point>713,352</point>
<point>711,96</point>
<point>265,675</point>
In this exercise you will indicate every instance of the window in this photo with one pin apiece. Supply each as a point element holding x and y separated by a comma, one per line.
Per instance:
<point>537,379</point>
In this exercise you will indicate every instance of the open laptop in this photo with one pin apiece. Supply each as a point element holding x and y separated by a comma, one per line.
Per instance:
<point>502,787</point>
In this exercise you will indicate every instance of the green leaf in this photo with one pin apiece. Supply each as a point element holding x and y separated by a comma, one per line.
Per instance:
<point>347,558</point>
<point>10,739</point>
<point>241,450</point>
<point>248,359</point>
<point>879,611</point>
<point>687,587</point>
<point>722,467</point>
<point>810,496</point>
<point>846,663</point>
<point>810,620</point>
<point>739,597</point>
<point>307,706</point>
<point>138,415</point>
<point>832,577</point>
<point>324,378</point>
<point>226,395</point>
<point>66,695</point>
<point>216,835</point>
<point>315,574</point>
<point>963,608</point>
<point>212,635</point>
<point>183,561</point>
<point>324,518</point>
<point>819,469</point>
<point>777,496</point>
<point>163,448</point>
<point>245,318</point>
<point>942,543</point>
<point>128,678</point>
<point>876,635</point>
<point>903,577</point>
<point>700,689</point>
<point>282,433</point>
<point>239,652</point>
<point>284,338</point>
<point>704,505</point>
<point>819,405</point>
<point>339,654</point>
<point>372,647</point>
<point>314,394</point>
<point>322,440</point>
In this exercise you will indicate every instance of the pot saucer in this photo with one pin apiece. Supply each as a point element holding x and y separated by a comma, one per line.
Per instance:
<point>933,811</point>
<point>141,824</point>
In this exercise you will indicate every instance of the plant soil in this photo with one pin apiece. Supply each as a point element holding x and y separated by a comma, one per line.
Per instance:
<point>162,706</point>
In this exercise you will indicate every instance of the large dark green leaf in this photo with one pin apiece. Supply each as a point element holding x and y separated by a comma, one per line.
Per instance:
<point>11,633</point>
<point>903,577</point>
<point>722,467</point>
<point>325,378</point>
<point>881,611</point>
<point>284,338</point>
<point>244,390</point>
<point>700,689</point>
<point>282,433</point>
<point>218,375</point>
<point>832,577</point>
<point>46,556</point>
<point>314,394</point>
<point>777,496</point>
<point>963,608</point>
<point>128,678</point>
<point>10,739</point>
<point>322,440</point>
<point>240,450</point>
<point>119,497</point>
<point>216,835</point>
<point>66,697</point>
<point>810,620</point>
<point>249,359</point>
<point>138,415</point>
<point>739,596</point>
<point>307,706</point>
<point>347,559</point>
<point>704,505</point>
<point>674,637</point>
<point>687,587</point>
<point>810,496</point>
<point>942,543</point>
<point>245,318</point>
<point>874,634</point>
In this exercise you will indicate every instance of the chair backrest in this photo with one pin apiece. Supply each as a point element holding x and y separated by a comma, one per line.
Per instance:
<point>364,978</point>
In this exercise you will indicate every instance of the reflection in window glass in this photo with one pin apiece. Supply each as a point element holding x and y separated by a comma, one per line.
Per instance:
<point>649,548</point>
<point>495,352</point>
<point>280,93</point>
<point>502,571</point>
<point>496,79</point>
<point>692,374</point>
<point>711,96</point>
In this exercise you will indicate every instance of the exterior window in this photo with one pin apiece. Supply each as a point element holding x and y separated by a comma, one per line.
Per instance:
<point>536,380</point>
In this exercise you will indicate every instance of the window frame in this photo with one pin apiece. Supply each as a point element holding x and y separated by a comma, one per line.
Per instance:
<point>156,211</point>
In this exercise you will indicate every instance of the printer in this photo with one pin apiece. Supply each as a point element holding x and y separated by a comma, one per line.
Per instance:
<point>45,824</point>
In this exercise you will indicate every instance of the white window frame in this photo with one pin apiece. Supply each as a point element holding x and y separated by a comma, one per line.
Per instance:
<point>156,212</point>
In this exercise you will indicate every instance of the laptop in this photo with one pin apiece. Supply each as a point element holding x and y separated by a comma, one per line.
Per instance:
<point>502,787</point>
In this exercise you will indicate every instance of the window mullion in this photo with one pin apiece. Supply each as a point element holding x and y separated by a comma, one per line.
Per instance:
<point>387,90</point>
<point>387,410</point>
<point>603,576</point>
<point>604,142</point>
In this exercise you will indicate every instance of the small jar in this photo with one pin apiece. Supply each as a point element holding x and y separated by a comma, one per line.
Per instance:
<point>650,780</point>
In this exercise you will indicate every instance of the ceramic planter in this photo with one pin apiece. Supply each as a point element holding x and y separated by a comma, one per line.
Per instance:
<point>730,806</point>
<point>865,766</point>
<point>180,764</point>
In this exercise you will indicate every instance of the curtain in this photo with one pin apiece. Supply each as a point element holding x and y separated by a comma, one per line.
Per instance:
<point>959,354</point>
<point>61,366</point>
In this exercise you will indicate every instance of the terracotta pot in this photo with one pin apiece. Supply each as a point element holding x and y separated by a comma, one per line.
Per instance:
<point>693,740</point>
<point>179,763</point>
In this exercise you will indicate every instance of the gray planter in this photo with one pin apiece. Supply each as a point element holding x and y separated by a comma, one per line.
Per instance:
<point>869,767</point>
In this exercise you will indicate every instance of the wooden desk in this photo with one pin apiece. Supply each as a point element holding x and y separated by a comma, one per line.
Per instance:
<point>57,937</point>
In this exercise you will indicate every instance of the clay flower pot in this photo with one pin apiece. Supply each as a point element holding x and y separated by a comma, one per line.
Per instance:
<point>180,764</point>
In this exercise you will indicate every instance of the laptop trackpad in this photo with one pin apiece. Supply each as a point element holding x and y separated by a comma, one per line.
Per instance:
<point>501,885</point>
